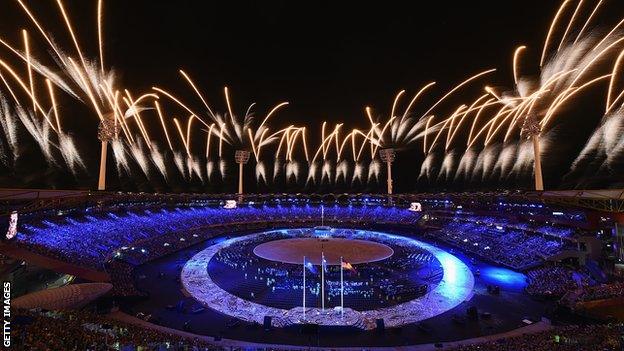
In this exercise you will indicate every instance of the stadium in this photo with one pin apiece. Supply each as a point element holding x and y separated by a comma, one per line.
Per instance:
<point>335,271</point>
<point>216,175</point>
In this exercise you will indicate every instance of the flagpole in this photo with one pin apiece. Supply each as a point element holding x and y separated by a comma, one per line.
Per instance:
<point>341,290</point>
<point>322,281</point>
<point>304,287</point>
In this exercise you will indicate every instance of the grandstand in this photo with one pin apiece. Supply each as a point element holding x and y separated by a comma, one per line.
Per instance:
<point>517,246</point>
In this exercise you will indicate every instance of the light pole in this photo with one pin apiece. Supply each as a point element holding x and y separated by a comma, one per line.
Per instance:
<point>107,132</point>
<point>388,156</point>
<point>241,157</point>
<point>531,130</point>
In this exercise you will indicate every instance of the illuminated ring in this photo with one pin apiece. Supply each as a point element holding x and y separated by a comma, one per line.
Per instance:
<point>455,287</point>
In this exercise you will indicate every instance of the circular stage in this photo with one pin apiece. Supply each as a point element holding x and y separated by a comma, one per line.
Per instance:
<point>293,251</point>
<point>399,279</point>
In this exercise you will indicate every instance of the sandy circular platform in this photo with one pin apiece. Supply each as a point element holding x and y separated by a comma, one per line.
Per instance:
<point>352,250</point>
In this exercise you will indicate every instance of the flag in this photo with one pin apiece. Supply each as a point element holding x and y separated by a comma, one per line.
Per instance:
<point>347,266</point>
<point>324,263</point>
<point>311,267</point>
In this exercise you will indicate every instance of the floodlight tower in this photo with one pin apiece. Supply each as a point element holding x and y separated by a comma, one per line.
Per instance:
<point>107,132</point>
<point>241,157</point>
<point>388,156</point>
<point>531,129</point>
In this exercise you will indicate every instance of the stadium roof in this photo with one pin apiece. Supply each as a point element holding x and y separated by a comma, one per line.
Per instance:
<point>608,200</point>
<point>66,297</point>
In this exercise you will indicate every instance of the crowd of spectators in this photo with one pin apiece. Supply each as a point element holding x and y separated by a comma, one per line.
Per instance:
<point>569,338</point>
<point>80,330</point>
<point>119,239</point>
<point>506,204</point>
<point>555,281</point>
<point>89,239</point>
<point>511,247</point>
<point>122,278</point>
<point>542,227</point>
<point>598,292</point>
<point>39,331</point>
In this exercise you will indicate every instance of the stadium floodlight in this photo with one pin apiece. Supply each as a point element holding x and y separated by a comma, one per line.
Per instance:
<point>388,156</point>
<point>241,157</point>
<point>107,132</point>
<point>531,129</point>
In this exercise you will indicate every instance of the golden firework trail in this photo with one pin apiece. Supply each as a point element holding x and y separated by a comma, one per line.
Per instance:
<point>572,62</point>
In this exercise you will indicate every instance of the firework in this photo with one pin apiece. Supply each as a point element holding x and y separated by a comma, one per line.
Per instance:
<point>495,125</point>
<point>494,135</point>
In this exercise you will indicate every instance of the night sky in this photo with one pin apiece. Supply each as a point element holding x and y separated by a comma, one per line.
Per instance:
<point>328,59</point>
